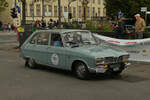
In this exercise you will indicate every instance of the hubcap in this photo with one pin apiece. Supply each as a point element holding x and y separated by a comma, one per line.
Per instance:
<point>81,71</point>
<point>30,62</point>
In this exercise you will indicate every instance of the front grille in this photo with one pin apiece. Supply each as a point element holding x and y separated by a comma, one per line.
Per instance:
<point>113,59</point>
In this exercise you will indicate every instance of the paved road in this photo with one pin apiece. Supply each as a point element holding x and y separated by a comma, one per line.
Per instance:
<point>8,37</point>
<point>20,83</point>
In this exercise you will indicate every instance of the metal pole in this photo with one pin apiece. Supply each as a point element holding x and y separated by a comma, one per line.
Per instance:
<point>33,11</point>
<point>15,3</point>
<point>146,16</point>
<point>23,13</point>
<point>91,10</point>
<point>68,9</point>
<point>43,10</point>
<point>77,10</point>
<point>59,13</point>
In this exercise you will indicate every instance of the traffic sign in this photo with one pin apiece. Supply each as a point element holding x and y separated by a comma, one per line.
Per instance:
<point>143,9</point>
<point>148,12</point>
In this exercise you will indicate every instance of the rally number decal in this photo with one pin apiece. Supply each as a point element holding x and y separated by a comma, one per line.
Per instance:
<point>55,59</point>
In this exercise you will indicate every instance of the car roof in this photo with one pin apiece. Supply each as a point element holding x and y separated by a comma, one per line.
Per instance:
<point>60,31</point>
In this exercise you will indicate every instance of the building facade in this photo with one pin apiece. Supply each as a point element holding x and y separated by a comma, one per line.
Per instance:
<point>80,10</point>
<point>5,15</point>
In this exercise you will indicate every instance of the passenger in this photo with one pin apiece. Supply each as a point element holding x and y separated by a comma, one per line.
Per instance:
<point>139,26</point>
<point>57,42</point>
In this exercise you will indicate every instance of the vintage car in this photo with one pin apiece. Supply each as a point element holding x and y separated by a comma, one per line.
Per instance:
<point>74,50</point>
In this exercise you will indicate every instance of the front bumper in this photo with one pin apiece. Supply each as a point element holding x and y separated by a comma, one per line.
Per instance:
<point>109,67</point>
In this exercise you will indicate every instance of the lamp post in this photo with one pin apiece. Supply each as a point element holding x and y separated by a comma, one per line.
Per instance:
<point>23,13</point>
<point>43,10</point>
<point>59,13</point>
<point>33,11</point>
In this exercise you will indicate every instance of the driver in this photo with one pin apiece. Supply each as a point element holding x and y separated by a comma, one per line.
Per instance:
<point>57,41</point>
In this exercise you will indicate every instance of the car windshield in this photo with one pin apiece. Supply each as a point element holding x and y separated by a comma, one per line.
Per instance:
<point>78,38</point>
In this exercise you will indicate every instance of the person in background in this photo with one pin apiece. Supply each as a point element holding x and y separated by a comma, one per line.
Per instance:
<point>12,27</point>
<point>50,24</point>
<point>121,28</point>
<point>34,26</point>
<point>139,26</point>
<point>9,27</point>
<point>1,24</point>
<point>43,24</point>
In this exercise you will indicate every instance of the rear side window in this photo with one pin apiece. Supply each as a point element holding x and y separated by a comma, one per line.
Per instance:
<point>41,38</point>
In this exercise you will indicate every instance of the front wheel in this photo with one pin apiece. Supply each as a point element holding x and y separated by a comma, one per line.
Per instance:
<point>81,71</point>
<point>30,63</point>
<point>117,73</point>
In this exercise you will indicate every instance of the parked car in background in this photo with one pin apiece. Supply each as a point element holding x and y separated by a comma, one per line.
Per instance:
<point>74,50</point>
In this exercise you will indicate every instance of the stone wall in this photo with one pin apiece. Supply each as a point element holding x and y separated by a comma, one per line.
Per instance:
<point>5,16</point>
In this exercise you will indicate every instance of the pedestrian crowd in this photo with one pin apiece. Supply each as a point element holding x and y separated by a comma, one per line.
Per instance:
<point>7,27</point>
<point>120,28</point>
<point>42,24</point>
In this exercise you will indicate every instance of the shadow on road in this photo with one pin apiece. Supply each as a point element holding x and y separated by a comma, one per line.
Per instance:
<point>93,77</point>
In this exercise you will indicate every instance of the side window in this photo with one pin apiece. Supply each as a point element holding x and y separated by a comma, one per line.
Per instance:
<point>43,39</point>
<point>34,39</point>
<point>56,40</point>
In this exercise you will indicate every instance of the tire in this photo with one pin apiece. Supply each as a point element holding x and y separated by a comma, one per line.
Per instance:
<point>30,63</point>
<point>81,71</point>
<point>116,73</point>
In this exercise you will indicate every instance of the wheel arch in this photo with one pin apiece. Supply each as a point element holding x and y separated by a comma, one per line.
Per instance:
<point>77,61</point>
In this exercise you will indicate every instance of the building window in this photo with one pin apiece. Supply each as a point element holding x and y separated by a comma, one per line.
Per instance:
<point>104,12</point>
<point>55,11</point>
<point>74,11</point>
<point>93,1</point>
<point>88,12</point>
<point>50,9</point>
<point>45,8</point>
<point>70,10</point>
<point>99,11</point>
<point>80,12</point>
<point>36,0</point>
<point>99,1</point>
<point>38,10</point>
<point>61,11</point>
<point>65,9</point>
<point>93,13</point>
<point>26,11</point>
<point>31,9</point>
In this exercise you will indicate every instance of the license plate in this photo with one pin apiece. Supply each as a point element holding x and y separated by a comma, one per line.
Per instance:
<point>98,70</point>
<point>116,69</point>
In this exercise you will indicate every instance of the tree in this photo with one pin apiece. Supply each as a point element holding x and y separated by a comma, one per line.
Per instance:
<point>128,7</point>
<point>3,4</point>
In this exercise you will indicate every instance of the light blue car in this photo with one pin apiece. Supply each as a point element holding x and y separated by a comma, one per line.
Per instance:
<point>74,50</point>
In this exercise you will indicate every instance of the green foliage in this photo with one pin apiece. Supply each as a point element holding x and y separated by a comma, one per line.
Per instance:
<point>128,7</point>
<point>95,27</point>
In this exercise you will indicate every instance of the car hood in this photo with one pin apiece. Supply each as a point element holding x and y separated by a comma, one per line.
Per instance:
<point>100,51</point>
